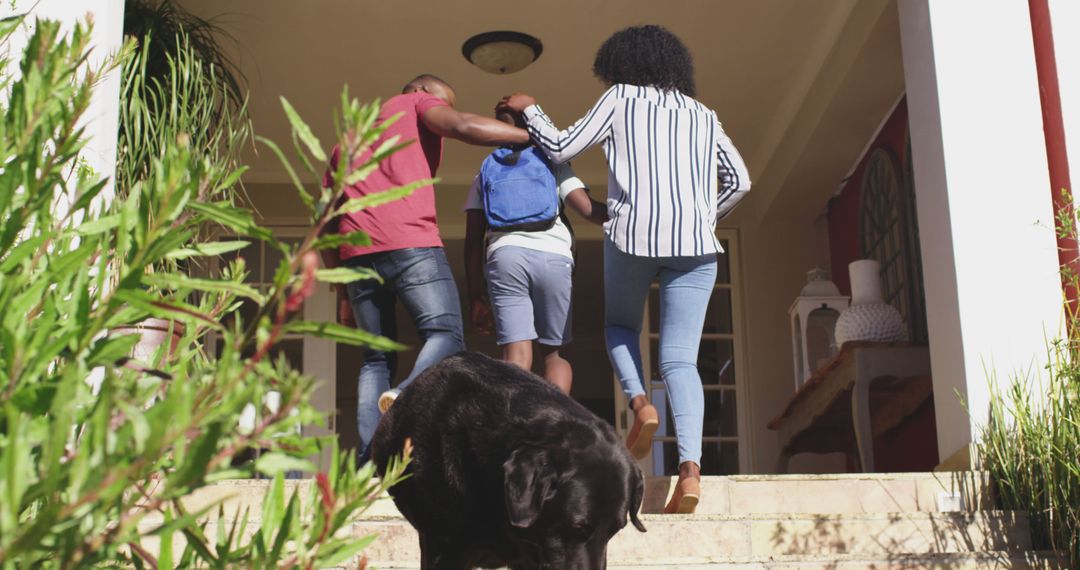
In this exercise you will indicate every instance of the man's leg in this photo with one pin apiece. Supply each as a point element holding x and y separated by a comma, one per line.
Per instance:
<point>425,286</point>
<point>373,308</point>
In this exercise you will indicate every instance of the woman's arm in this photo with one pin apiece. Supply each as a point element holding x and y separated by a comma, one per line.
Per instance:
<point>732,172</point>
<point>562,146</point>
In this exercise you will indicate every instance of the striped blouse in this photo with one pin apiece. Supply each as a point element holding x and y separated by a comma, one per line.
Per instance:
<point>662,150</point>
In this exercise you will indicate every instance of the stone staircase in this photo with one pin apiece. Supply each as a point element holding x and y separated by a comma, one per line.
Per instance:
<point>807,522</point>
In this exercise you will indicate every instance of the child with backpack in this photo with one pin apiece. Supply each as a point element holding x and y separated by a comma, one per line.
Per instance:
<point>519,242</point>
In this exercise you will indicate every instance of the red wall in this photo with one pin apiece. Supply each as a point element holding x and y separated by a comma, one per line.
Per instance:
<point>913,445</point>
<point>844,208</point>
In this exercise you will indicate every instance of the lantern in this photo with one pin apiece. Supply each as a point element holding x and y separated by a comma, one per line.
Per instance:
<point>813,323</point>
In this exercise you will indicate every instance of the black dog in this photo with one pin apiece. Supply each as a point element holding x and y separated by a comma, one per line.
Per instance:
<point>506,470</point>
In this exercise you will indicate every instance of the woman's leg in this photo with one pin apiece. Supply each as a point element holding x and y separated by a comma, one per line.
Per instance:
<point>626,286</point>
<point>627,279</point>
<point>685,287</point>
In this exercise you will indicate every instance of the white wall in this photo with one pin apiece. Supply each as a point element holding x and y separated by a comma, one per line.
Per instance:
<point>102,116</point>
<point>1065,23</point>
<point>992,289</point>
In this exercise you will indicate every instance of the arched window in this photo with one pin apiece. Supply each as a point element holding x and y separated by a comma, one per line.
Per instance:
<point>889,233</point>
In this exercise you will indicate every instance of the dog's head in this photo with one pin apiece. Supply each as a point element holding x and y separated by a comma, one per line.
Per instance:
<point>567,501</point>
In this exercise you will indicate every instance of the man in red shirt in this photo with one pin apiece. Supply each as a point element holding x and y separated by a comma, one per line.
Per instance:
<point>406,250</point>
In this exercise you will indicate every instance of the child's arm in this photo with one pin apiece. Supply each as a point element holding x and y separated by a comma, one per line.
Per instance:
<point>479,310</point>
<point>593,211</point>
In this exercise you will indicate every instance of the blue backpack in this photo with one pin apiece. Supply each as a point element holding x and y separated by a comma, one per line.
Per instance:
<point>519,191</point>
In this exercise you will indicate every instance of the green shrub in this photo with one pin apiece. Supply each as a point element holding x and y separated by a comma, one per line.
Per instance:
<point>1031,447</point>
<point>98,451</point>
<point>187,96</point>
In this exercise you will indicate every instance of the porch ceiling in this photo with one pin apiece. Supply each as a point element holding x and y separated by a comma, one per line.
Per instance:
<point>775,70</point>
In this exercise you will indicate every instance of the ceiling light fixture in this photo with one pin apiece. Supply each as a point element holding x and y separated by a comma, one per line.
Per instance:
<point>502,52</point>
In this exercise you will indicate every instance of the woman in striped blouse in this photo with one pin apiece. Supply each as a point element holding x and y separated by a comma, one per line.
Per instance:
<point>672,173</point>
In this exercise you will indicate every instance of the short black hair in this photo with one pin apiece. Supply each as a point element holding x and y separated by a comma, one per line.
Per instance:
<point>650,56</point>
<point>425,79</point>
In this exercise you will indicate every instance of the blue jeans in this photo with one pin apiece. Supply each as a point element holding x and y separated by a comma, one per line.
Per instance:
<point>686,283</point>
<point>421,279</point>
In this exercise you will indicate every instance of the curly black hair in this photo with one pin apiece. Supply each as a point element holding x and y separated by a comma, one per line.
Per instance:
<point>648,56</point>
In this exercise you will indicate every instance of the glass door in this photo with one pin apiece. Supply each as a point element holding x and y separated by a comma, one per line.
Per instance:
<point>312,356</point>
<point>722,368</point>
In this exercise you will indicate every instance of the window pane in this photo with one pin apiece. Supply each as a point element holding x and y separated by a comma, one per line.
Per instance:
<point>719,458</point>
<point>293,349</point>
<point>654,360</point>
<point>723,264</point>
<point>716,458</point>
<point>671,459</point>
<point>720,414</point>
<point>716,362</point>
<point>250,254</point>
<point>274,258</point>
<point>654,309</point>
<point>349,359</point>
<point>247,311</point>
<point>718,317</point>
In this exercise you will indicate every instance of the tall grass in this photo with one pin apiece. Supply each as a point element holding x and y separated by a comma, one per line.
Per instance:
<point>1031,446</point>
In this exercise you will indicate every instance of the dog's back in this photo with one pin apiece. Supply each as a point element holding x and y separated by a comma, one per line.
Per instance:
<point>465,416</point>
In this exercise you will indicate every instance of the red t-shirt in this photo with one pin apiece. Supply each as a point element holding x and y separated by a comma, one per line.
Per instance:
<point>410,221</point>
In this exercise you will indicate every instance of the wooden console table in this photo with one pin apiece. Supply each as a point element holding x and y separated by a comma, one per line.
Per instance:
<point>864,391</point>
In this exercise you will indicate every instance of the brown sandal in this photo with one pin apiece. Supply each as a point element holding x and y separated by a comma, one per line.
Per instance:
<point>639,440</point>
<point>685,498</point>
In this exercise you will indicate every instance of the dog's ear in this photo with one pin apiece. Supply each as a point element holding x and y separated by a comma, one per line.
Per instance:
<point>636,486</point>
<point>529,482</point>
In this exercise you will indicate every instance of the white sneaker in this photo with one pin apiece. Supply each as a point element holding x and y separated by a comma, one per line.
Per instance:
<point>386,399</point>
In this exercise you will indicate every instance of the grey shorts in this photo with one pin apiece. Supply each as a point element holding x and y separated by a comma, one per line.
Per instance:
<point>530,295</point>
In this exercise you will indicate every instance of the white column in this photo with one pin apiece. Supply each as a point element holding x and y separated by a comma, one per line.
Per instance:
<point>101,119</point>
<point>1065,23</point>
<point>993,293</point>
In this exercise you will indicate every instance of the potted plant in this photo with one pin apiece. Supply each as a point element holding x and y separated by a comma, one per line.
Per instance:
<point>181,95</point>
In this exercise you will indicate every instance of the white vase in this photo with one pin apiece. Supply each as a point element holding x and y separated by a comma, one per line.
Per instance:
<point>153,332</point>
<point>869,318</point>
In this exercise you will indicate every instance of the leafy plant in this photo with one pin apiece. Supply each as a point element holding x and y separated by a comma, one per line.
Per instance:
<point>186,95</point>
<point>1031,446</point>
<point>162,26</point>
<point>100,454</point>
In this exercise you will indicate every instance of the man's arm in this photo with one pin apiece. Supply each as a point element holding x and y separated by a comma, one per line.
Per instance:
<point>472,129</point>
<point>593,211</point>
<point>479,309</point>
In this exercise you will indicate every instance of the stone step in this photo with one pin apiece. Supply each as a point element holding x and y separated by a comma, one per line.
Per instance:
<point>832,494</point>
<point>742,494</point>
<point>955,561</point>
<point>877,535</point>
